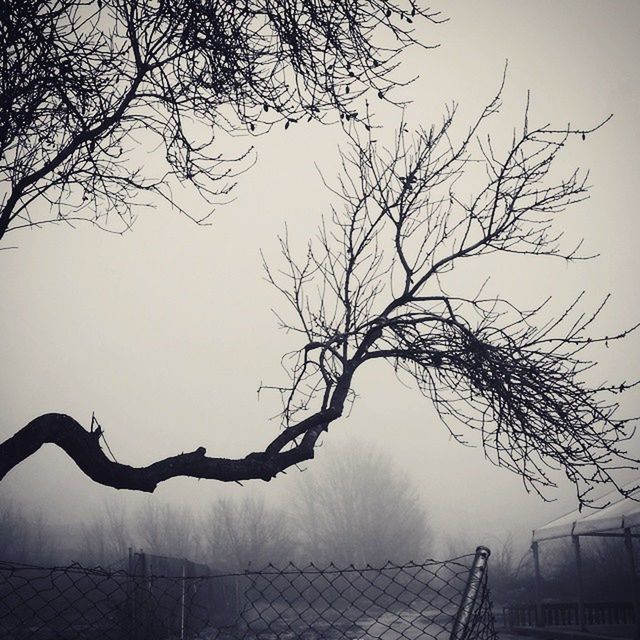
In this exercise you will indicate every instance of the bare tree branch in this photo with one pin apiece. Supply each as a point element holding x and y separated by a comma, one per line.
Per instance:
<point>83,447</point>
<point>409,215</point>
<point>89,87</point>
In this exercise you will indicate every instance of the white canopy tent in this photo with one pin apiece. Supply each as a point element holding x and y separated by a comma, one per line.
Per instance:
<point>613,516</point>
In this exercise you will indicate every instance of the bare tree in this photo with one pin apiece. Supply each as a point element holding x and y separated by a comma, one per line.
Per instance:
<point>166,530</point>
<point>358,508</point>
<point>246,533</point>
<point>373,287</point>
<point>24,537</point>
<point>13,530</point>
<point>107,539</point>
<point>89,87</point>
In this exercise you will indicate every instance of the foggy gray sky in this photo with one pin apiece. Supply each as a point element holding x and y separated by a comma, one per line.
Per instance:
<point>166,332</point>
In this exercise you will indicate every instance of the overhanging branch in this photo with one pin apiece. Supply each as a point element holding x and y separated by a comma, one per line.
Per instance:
<point>84,449</point>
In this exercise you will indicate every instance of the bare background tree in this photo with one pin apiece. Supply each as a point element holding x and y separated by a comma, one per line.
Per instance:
<point>24,535</point>
<point>166,530</point>
<point>107,538</point>
<point>359,508</point>
<point>247,533</point>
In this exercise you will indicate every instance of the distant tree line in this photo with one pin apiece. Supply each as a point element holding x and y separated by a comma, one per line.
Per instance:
<point>376,519</point>
<point>357,509</point>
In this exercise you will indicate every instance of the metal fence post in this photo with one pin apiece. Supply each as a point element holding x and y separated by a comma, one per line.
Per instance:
<point>182,598</point>
<point>581,610</point>
<point>468,602</point>
<point>131,612</point>
<point>536,566</point>
<point>139,600</point>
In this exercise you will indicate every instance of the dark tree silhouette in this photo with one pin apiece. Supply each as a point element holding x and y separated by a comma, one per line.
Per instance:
<point>89,86</point>
<point>372,288</point>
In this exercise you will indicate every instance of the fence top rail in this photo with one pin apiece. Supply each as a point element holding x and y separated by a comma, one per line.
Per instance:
<point>460,563</point>
<point>74,567</point>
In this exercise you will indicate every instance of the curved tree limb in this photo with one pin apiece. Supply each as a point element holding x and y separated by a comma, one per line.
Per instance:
<point>293,445</point>
<point>83,447</point>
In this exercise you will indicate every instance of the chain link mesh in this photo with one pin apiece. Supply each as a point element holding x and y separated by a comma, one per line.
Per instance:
<point>393,602</point>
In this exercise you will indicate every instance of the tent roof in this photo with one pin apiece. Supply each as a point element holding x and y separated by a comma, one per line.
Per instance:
<point>619,514</point>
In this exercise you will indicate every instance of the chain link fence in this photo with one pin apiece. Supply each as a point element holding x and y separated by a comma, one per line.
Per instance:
<point>440,600</point>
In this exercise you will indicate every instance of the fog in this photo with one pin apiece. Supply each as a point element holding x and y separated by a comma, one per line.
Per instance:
<point>167,332</point>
